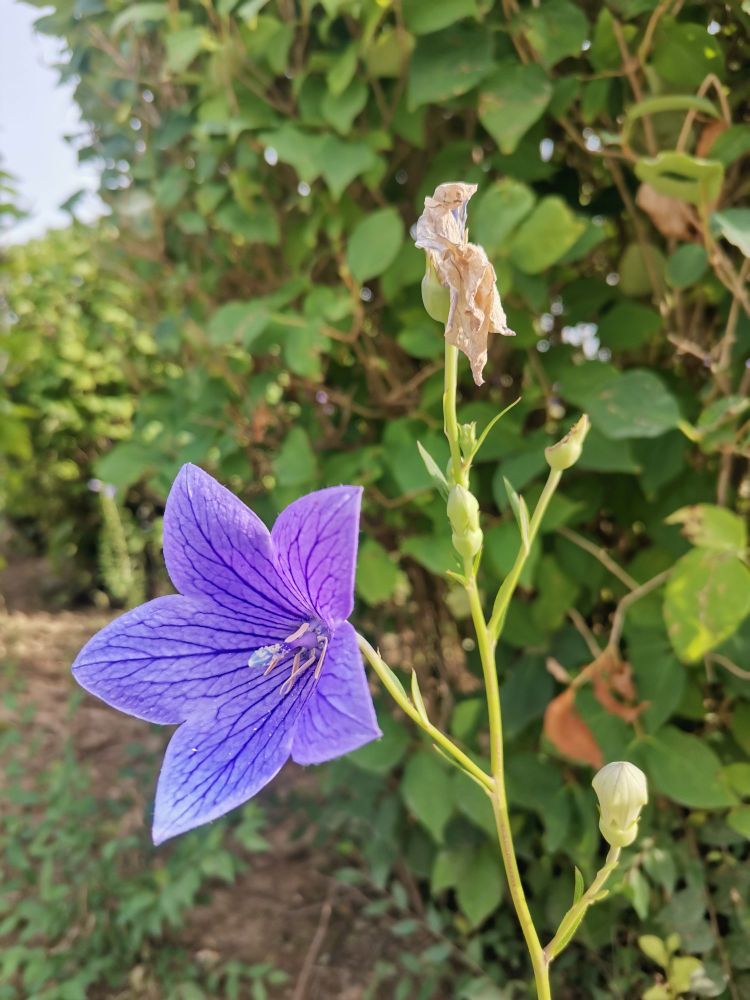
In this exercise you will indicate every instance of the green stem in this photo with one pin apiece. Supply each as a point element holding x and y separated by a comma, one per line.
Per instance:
<point>486,645</point>
<point>506,591</point>
<point>576,913</point>
<point>460,474</point>
<point>393,687</point>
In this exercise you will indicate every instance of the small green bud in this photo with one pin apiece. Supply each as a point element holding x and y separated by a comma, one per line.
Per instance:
<point>467,438</point>
<point>622,792</point>
<point>436,298</point>
<point>463,514</point>
<point>566,452</point>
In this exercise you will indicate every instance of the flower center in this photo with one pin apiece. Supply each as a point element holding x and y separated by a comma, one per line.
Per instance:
<point>305,648</point>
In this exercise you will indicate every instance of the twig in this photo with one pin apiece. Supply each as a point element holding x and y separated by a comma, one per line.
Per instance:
<point>300,990</point>
<point>584,631</point>
<point>727,664</point>
<point>601,555</point>
<point>618,619</point>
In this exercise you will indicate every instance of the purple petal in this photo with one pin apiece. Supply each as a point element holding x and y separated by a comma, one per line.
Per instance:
<point>316,546</point>
<point>216,547</point>
<point>163,659</point>
<point>229,751</point>
<point>340,716</point>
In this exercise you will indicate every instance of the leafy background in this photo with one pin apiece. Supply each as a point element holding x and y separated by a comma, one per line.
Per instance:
<point>252,304</point>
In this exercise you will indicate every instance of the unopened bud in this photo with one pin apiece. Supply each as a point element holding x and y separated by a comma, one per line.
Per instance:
<point>436,298</point>
<point>463,514</point>
<point>622,792</point>
<point>566,452</point>
<point>467,438</point>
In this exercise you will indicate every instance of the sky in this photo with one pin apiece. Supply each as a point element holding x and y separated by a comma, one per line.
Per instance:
<point>35,115</point>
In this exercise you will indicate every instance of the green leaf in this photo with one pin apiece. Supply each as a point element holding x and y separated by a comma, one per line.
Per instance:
<point>687,265</point>
<point>684,54</point>
<point>579,886</point>
<point>374,243</point>
<point>238,323</point>
<point>434,552</point>
<point>295,464</point>
<point>739,820</point>
<point>497,211</point>
<point>712,527</point>
<point>665,102</point>
<point>632,405</point>
<point>377,574</point>
<point>183,46</point>
<point>682,767</point>
<point>655,949</point>
<point>545,235</point>
<point>342,160</point>
<point>555,29</point>
<point>340,110</point>
<point>734,225</point>
<point>730,145</point>
<point>138,14</point>
<point>448,64</point>
<point>424,16</point>
<point>427,789</point>
<point>682,176</point>
<point>628,325</point>
<point>511,100</point>
<point>480,890</point>
<point>707,597</point>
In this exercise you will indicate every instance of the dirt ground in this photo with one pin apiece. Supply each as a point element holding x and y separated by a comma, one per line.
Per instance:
<point>286,909</point>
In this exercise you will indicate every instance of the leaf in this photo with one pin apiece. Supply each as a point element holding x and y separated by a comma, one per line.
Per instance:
<point>295,464</point>
<point>655,949</point>
<point>712,527</point>
<point>449,63</point>
<point>377,574</point>
<point>545,235</point>
<point>579,885</point>
<point>480,890</point>
<point>661,103</point>
<point>340,110</point>
<point>382,756</point>
<point>427,789</point>
<point>183,46</point>
<point>434,552</point>
<point>684,54</point>
<point>707,597</point>
<point>511,100</point>
<point>633,405</point>
<point>682,176</point>
<point>686,266</point>
<point>238,323</point>
<point>374,243</point>
<point>739,820</point>
<point>682,767</point>
<point>568,733</point>
<point>433,469</point>
<point>555,29</point>
<point>496,212</point>
<point>628,325</point>
<point>734,225</point>
<point>139,14</point>
<point>731,145</point>
<point>424,16</point>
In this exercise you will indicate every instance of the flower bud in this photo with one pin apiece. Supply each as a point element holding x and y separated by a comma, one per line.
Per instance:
<point>436,298</point>
<point>463,514</point>
<point>622,792</point>
<point>566,452</point>
<point>467,438</point>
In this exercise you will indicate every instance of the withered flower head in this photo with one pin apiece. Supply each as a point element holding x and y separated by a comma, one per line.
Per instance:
<point>464,269</point>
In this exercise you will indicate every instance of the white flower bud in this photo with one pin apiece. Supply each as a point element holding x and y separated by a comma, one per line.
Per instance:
<point>566,452</point>
<point>622,792</point>
<point>435,297</point>
<point>463,514</point>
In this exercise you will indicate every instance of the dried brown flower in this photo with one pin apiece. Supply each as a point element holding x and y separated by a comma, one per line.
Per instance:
<point>464,269</point>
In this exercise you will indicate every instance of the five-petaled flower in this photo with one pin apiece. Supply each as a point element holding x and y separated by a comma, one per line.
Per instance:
<point>254,657</point>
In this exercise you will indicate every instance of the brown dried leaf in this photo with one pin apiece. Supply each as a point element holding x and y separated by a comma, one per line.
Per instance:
<point>612,680</point>
<point>568,733</point>
<point>671,216</point>
<point>465,270</point>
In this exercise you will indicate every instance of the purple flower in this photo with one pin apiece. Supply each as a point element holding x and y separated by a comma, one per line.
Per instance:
<point>254,657</point>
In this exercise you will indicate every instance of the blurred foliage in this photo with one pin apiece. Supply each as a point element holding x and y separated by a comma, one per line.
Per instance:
<point>263,162</point>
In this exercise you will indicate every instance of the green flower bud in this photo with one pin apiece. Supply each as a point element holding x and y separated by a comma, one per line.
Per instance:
<point>463,514</point>
<point>467,438</point>
<point>622,792</point>
<point>436,298</point>
<point>566,452</point>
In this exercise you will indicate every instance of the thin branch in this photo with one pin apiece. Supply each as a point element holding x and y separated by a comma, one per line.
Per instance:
<point>601,555</point>
<point>618,621</point>
<point>300,990</point>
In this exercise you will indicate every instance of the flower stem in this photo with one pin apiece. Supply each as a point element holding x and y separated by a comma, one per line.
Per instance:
<point>486,645</point>
<point>486,642</point>
<point>460,474</point>
<point>393,687</point>
<point>576,913</point>
<point>507,589</point>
